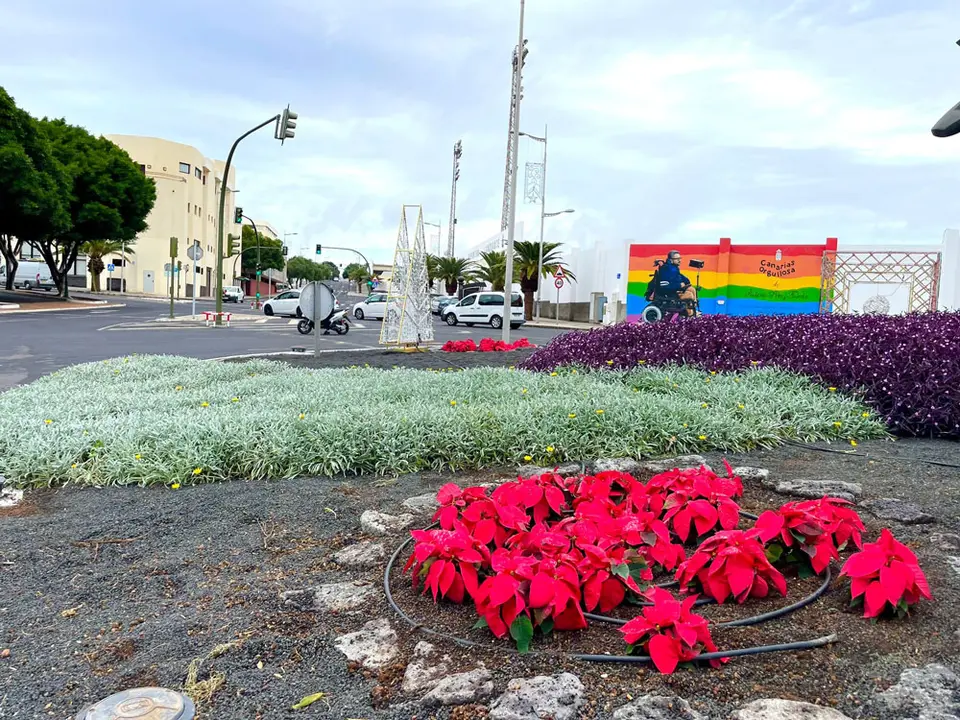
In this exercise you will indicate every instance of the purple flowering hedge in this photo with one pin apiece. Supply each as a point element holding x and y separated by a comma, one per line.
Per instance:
<point>906,367</point>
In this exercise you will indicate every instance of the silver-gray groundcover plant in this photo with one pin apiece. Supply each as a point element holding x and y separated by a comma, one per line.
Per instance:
<point>150,419</point>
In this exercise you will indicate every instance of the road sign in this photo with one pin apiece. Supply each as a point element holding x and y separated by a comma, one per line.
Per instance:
<point>195,252</point>
<point>558,283</point>
<point>559,274</point>
<point>111,267</point>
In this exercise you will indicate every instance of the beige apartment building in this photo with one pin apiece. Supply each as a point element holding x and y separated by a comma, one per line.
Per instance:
<point>188,200</point>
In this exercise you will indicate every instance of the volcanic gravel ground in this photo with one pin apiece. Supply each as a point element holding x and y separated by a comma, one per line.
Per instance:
<point>388,359</point>
<point>102,590</point>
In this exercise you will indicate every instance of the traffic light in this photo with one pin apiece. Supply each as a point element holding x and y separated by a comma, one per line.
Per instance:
<point>285,128</point>
<point>238,215</point>
<point>234,245</point>
<point>319,248</point>
<point>285,250</point>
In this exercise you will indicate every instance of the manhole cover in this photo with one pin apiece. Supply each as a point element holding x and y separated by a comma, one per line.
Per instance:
<point>142,703</point>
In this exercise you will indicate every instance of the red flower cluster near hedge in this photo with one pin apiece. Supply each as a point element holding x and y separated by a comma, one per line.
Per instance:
<point>907,367</point>
<point>486,345</point>
<point>544,551</point>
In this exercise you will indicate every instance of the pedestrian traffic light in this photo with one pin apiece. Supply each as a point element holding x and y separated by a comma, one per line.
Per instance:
<point>285,128</point>
<point>238,215</point>
<point>234,245</point>
<point>319,248</point>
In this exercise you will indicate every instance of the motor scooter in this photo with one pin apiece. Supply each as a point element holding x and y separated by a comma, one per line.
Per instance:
<point>337,322</point>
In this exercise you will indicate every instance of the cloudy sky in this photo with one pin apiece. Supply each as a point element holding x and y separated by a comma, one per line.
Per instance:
<point>761,120</point>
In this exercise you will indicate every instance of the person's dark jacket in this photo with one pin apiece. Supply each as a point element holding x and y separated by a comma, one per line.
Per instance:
<point>670,279</point>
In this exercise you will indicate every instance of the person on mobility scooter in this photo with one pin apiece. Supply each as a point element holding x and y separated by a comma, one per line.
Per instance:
<point>670,293</point>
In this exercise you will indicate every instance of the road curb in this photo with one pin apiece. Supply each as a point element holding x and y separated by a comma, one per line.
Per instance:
<point>69,308</point>
<point>311,353</point>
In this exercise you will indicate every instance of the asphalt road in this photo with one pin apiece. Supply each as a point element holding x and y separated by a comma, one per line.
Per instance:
<point>35,344</point>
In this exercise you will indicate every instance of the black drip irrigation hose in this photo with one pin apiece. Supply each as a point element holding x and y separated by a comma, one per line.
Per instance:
<point>589,657</point>
<point>868,456</point>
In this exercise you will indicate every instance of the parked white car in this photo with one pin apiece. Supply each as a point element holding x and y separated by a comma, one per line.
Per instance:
<point>285,303</point>
<point>484,308</point>
<point>233,293</point>
<point>374,307</point>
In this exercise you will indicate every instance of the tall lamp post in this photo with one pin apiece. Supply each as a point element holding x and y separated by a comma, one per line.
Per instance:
<point>512,216</point>
<point>439,233</point>
<point>543,213</point>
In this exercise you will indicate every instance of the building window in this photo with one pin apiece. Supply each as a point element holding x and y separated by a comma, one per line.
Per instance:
<point>185,168</point>
<point>204,178</point>
<point>196,171</point>
<point>188,207</point>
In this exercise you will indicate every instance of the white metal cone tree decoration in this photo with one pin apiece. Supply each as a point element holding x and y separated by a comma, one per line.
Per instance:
<point>408,320</point>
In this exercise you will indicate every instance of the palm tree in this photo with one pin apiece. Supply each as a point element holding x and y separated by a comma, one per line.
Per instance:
<point>431,270</point>
<point>96,250</point>
<point>493,268</point>
<point>526,261</point>
<point>358,274</point>
<point>450,270</point>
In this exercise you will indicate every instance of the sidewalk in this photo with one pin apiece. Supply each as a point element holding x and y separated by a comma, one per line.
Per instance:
<point>13,309</point>
<point>562,324</point>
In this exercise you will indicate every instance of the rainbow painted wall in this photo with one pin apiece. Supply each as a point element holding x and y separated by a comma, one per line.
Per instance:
<point>738,279</point>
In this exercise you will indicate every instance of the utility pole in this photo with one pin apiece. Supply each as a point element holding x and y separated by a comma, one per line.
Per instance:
<point>173,265</point>
<point>452,230</point>
<point>256,233</point>
<point>285,124</point>
<point>511,175</point>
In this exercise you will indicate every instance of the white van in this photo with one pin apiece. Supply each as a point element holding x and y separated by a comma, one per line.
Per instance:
<point>31,275</point>
<point>485,308</point>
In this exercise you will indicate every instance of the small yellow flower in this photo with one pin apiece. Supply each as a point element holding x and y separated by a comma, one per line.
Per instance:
<point>837,424</point>
<point>197,471</point>
<point>235,399</point>
<point>554,374</point>
<point>853,443</point>
<point>47,422</point>
<point>573,372</point>
<point>703,437</point>
<point>572,415</point>
<point>453,403</point>
<point>74,466</point>
<point>866,415</point>
<point>609,362</point>
<point>527,458</point>
<point>137,456</point>
<point>599,412</point>
<point>524,391</point>
<point>736,379</point>
<point>685,425</point>
<point>549,448</point>
<point>178,388</point>
<point>713,372</point>
<point>704,405</point>
<point>175,486</point>
<point>302,416</point>
<point>204,404</point>
<point>832,389</point>
<point>675,385</point>
<point>707,380</point>
<point>641,362</point>
<point>740,406</point>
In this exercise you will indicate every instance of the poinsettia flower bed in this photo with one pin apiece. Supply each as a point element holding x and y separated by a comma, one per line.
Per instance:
<point>486,345</point>
<point>906,367</point>
<point>542,554</point>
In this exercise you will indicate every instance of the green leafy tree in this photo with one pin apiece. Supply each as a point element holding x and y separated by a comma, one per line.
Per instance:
<point>493,268</point>
<point>33,186</point>
<point>357,273</point>
<point>332,271</point>
<point>526,261</point>
<point>109,198</point>
<point>450,270</point>
<point>300,269</point>
<point>271,252</point>
<point>96,250</point>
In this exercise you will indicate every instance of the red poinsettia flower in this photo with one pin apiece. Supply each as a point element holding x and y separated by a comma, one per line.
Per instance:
<point>555,592</point>
<point>447,560</point>
<point>669,631</point>
<point>886,574</point>
<point>606,572</point>
<point>503,596</point>
<point>796,527</point>
<point>702,507</point>
<point>453,500</point>
<point>732,563</point>
<point>838,518</point>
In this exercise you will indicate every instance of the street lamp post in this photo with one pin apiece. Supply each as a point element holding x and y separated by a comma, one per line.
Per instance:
<point>439,233</point>
<point>512,216</point>
<point>286,260</point>
<point>256,233</point>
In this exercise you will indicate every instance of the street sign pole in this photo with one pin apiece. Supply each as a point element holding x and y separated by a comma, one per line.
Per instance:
<point>316,319</point>
<point>173,264</point>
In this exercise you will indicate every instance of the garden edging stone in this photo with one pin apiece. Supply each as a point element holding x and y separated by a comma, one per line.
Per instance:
<point>373,646</point>
<point>931,692</point>
<point>374,522</point>
<point>816,489</point>
<point>558,697</point>
<point>362,554</point>
<point>897,510</point>
<point>776,709</point>
<point>657,707</point>
<point>461,688</point>
<point>332,597</point>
